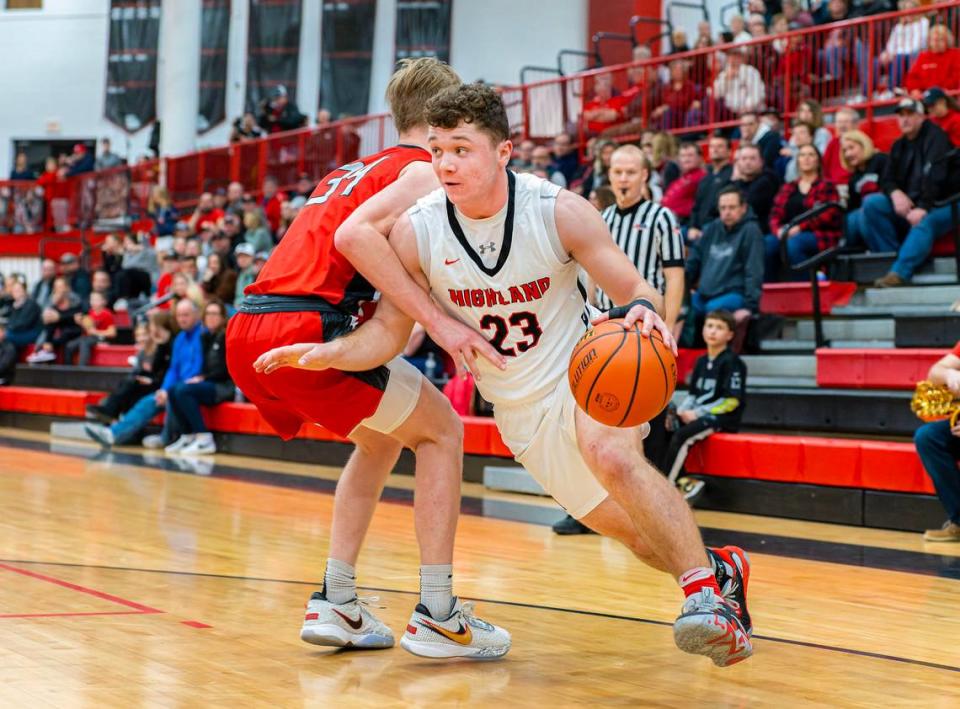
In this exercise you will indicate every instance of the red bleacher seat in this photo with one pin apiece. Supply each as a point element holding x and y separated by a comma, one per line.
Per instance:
<point>112,355</point>
<point>686,359</point>
<point>874,369</point>
<point>52,402</point>
<point>797,298</point>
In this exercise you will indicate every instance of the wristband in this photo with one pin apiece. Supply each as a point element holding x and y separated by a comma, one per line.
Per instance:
<point>621,310</point>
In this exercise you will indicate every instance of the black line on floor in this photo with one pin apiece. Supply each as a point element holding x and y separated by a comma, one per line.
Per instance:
<point>516,604</point>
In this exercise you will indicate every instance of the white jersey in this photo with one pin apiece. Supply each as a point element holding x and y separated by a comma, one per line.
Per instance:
<point>509,277</point>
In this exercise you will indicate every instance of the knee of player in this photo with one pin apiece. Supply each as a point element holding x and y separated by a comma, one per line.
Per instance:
<point>614,462</point>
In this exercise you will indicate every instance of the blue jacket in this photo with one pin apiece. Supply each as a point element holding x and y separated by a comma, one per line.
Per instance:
<point>187,358</point>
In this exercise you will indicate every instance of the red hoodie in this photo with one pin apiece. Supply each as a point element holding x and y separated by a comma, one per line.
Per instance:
<point>934,69</point>
<point>682,192</point>
<point>951,126</point>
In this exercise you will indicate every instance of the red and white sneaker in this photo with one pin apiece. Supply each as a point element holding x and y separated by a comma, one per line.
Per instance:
<point>350,624</point>
<point>709,626</point>
<point>731,566</point>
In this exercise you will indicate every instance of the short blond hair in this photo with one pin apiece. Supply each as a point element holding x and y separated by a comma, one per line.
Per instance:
<point>861,139</point>
<point>413,83</point>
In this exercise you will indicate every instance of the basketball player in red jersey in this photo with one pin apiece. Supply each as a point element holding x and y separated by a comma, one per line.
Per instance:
<point>503,252</point>
<point>328,265</point>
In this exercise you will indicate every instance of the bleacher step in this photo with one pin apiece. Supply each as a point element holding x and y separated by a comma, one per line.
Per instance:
<point>69,429</point>
<point>766,382</point>
<point>791,366</point>
<point>908,295</point>
<point>886,311</point>
<point>512,478</point>
<point>837,329</point>
<point>798,346</point>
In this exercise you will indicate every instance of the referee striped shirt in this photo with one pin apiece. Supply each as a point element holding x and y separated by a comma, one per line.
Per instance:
<point>650,237</point>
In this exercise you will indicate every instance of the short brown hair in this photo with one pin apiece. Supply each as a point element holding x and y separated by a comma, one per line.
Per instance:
<point>470,103</point>
<point>412,84</point>
<point>724,316</point>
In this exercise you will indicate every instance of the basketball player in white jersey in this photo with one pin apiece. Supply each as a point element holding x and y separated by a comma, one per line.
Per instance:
<point>501,252</point>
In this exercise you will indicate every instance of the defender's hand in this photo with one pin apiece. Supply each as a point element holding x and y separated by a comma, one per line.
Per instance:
<point>464,344</point>
<point>307,355</point>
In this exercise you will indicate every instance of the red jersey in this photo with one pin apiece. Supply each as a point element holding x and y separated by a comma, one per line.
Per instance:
<point>306,262</point>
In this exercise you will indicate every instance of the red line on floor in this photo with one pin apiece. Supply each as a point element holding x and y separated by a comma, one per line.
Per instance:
<point>67,615</point>
<point>195,624</point>
<point>82,589</point>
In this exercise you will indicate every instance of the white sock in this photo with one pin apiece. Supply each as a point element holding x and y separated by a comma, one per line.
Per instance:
<point>339,582</point>
<point>436,589</point>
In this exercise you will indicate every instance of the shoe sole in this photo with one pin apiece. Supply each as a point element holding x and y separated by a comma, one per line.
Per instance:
<point>697,635</point>
<point>745,573</point>
<point>445,650</point>
<point>334,636</point>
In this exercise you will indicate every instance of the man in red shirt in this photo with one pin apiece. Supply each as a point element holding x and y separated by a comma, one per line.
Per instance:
<point>944,111</point>
<point>206,215</point>
<point>315,288</point>
<point>605,110</point>
<point>272,202</point>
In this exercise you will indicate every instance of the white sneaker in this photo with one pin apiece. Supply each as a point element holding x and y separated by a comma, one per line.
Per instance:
<point>460,635</point>
<point>41,356</point>
<point>101,434</point>
<point>202,444</point>
<point>709,626</point>
<point>350,624</point>
<point>153,442</point>
<point>179,444</point>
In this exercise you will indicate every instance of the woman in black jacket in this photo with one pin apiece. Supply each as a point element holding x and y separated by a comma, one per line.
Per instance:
<point>23,324</point>
<point>866,167</point>
<point>59,322</point>
<point>149,369</point>
<point>212,386</point>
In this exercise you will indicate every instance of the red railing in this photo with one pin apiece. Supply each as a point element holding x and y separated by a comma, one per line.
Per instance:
<point>837,64</point>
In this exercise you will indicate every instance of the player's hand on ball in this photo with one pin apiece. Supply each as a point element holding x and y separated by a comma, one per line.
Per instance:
<point>649,320</point>
<point>307,355</point>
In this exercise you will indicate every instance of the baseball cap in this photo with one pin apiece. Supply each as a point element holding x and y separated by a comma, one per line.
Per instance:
<point>908,104</point>
<point>246,249</point>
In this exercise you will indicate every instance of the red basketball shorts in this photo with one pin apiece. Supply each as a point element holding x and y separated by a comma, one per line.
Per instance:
<point>380,399</point>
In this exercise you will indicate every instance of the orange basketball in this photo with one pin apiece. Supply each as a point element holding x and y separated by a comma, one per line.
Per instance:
<point>620,377</point>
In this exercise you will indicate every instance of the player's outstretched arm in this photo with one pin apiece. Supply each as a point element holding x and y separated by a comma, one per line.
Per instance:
<point>375,342</point>
<point>586,238</point>
<point>361,238</point>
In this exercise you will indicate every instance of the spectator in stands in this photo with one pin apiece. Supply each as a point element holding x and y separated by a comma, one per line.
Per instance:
<point>793,56</point>
<point>100,283</point>
<point>865,8</point>
<point>907,39</point>
<point>938,66</point>
<point>753,131</point>
<point>714,401</point>
<point>206,215</point>
<point>161,210</point>
<point>81,161</point>
<point>836,54</point>
<point>257,234</point>
<point>604,110</point>
<point>24,321</point>
<point>278,114</point>
<point>865,166</point>
<point>681,104</point>
<point>602,197</point>
<point>247,273</point>
<point>138,271</point>
<point>190,263</point>
<point>169,266</point>
<point>186,361</point>
<point>272,202</point>
<point>8,358</point>
<point>522,160</point>
<point>231,226</point>
<point>246,128</point>
<point>832,11</point>
<point>305,187</point>
<point>921,171</point>
<point>112,254</point>
<point>108,158</point>
<point>21,169</point>
<point>738,28</point>
<point>758,184</point>
<point>210,387</point>
<point>183,286</point>
<point>219,279</point>
<point>59,323</point>
<point>642,93</point>
<point>661,149</point>
<point>680,196</point>
<point>725,264</point>
<point>813,235</point>
<point>796,17</point>
<point>845,120</point>
<point>324,117</point>
<point>149,367</point>
<point>77,277</point>
<point>739,87</point>
<point>43,289</point>
<point>944,112</point>
<point>801,135</point>
<point>809,111</point>
<point>719,173</point>
<point>565,158</point>
<point>97,326</point>
<point>938,445</point>
<point>596,174</point>
<point>543,163</point>
<point>235,198</point>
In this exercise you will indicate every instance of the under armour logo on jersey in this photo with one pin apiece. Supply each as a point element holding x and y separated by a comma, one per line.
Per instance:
<point>489,246</point>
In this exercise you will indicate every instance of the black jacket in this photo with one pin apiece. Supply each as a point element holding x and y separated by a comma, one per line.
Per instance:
<point>705,204</point>
<point>718,388</point>
<point>770,145</point>
<point>25,318</point>
<point>760,192</point>
<point>8,361</point>
<point>159,363</point>
<point>923,167</point>
<point>865,178</point>
<point>215,364</point>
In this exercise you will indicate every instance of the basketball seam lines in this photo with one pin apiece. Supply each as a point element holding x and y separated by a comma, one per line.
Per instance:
<point>590,342</point>
<point>636,375</point>
<point>663,368</point>
<point>613,354</point>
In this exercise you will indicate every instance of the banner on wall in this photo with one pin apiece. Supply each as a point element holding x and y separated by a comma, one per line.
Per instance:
<point>214,36</point>
<point>423,29</point>
<point>347,56</point>
<point>273,51</point>
<point>130,101</point>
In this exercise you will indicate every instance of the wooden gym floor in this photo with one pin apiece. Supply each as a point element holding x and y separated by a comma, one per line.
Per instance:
<point>127,581</point>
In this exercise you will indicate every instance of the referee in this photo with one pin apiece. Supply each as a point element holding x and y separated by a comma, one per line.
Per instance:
<point>650,237</point>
